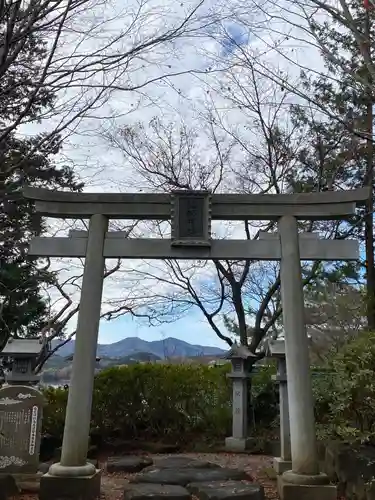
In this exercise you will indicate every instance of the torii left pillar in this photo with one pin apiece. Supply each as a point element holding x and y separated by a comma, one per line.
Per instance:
<point>73,477</point>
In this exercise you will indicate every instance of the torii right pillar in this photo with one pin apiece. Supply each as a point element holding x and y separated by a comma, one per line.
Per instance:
<point>304,481</point>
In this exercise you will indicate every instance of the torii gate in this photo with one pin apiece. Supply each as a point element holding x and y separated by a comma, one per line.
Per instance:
<point>191,213</point>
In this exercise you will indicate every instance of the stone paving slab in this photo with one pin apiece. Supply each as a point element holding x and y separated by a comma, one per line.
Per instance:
<point>148,491</point>
<point>186,475</point>
<point>226,490</point>
<point>127,463</point>
<point>181,462</point>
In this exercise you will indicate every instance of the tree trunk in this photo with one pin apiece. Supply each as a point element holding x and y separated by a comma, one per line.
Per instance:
<point>369,181</point>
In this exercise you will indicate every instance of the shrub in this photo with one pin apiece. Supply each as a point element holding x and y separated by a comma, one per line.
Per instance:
<point>54,411</point>
<point>323,382</point>
<point>265,397</point>
<point>354,396</point>
<point>345,398</point>
<point>165,401</point>
<point>152,400</point>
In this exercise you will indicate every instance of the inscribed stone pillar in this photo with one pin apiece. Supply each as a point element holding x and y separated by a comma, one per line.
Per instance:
<point>240,403</point>
<point>283,463</point>
<point>239,356</point>
<point>239,440</point>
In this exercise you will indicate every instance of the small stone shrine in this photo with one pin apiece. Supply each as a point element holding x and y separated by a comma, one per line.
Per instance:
<point>276,349</point>
<point>20,357</point>
<point>240,357</point>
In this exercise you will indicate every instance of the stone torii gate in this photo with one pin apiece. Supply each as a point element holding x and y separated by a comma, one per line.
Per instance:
<point>191,214</point>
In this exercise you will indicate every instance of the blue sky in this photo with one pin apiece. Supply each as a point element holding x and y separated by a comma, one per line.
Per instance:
<point>192,329</point>
<point>236,35</point>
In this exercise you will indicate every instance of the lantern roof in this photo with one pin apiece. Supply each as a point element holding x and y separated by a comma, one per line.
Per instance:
<point>239,351</point>
<point>30,347</point>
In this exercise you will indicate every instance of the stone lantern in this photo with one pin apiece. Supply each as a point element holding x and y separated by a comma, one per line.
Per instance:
<point>276,350</point>
<point>22,356</point>
<point>240,357</point>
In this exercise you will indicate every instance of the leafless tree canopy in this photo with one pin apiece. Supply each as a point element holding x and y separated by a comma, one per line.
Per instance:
<point>92,49</point>
<point>265,155</point>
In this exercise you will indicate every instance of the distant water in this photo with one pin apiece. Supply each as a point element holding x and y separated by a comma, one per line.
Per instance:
<point>54,384</point>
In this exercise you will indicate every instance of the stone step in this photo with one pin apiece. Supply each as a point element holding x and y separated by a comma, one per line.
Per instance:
<point>226,490</point>
<point>181,462</point>
<point>127,463</point>
<point>184,476</point>
<point>152,491</point>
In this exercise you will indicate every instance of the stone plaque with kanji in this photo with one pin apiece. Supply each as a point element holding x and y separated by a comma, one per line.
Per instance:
<point>191,218</point>
<point>21,409</point>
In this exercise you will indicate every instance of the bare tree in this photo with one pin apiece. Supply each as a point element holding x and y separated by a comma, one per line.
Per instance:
<point>265,151</point>
<point>61,62</point>
<point>61,315</point>
<point>165,158</point>
<point>335,313</point>
<point>88,51</point>
<point>63,298</point>
<point>328,48</point>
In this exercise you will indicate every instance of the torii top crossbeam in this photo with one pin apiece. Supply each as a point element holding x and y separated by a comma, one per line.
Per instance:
<point>307,206</point>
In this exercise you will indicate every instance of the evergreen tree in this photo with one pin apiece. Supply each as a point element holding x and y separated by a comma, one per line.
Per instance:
<point>23,310</point>
<point>340,152</point>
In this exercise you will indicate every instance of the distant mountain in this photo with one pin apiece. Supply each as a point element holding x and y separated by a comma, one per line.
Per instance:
<point>169,347</point>
<point>132,358</point>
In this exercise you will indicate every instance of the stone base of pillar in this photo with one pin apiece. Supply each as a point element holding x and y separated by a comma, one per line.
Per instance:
<point>239,444</point>
<point>58,487</point>
<point>280,465</point>
<point>292,486</point>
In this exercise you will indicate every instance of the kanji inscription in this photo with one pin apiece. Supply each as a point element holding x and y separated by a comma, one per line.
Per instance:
<point>191,218</point>
<point>20,428</point>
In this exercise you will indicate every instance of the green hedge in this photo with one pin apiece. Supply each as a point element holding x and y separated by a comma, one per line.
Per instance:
<point>152,401</point>
<point>161,401</point>
<point>54,411</point>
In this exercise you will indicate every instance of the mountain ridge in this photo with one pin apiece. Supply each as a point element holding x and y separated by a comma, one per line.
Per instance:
<point>169,347</point>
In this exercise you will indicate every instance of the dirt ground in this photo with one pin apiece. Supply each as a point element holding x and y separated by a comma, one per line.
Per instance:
<point>255,465</point>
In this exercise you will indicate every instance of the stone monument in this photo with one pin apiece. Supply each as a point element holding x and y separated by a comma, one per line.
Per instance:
<point>284,462</point>
<point>21,411</point>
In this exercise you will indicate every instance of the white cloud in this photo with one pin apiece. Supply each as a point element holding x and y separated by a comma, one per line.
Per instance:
<point>188,97</point>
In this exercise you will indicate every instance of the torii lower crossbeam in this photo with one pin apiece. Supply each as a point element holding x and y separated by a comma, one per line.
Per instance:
<point>115,247</point>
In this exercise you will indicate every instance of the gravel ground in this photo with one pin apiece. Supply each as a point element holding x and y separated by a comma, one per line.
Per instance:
<point>113,484</point>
